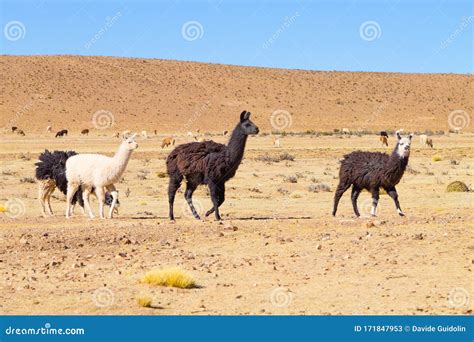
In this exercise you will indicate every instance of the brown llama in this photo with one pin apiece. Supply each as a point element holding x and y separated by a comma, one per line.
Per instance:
<point>167,142</point>
<point>372,171</point>
<point>208,163</point>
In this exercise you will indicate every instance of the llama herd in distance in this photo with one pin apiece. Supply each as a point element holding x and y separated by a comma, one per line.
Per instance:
<point>204,163</point>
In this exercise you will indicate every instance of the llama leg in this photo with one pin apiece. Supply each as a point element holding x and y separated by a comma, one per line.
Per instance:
<point>51,189</point>
<point>86,191</point>
<point>71,190</point>
<point>221,196</point>
<point>175,183</point>
<point>393,193</point>
<point>354,195</point>
<point>375,201</point>
<point>214,190</point>
<point>114,193</point>
<point>99,191</point>
<point>42,193</point>
<point>341,188</point>
<point>188,194</point>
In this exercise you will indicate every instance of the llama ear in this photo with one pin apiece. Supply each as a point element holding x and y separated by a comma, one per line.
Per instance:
<point>410,136</point>
<point>397,134</point>
<point>242,116</point>
<point>247,116</point>
<point>133,136</point>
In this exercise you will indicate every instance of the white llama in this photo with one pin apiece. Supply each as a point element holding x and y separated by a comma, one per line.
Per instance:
<point>98,171</point>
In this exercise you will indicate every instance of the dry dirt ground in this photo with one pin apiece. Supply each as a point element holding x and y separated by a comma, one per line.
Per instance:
<point>278,251</point>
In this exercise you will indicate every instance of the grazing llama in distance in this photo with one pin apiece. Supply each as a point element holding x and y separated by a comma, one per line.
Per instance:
<point>20,132</point>
<point>429,142</point>
<point>384,140</point>
<point>85,132</point>
<point>276,142</point>
<point>426,141</point>
<point>167,142</point>
<point>14,128</point>
<point>50,173</point>
<point>49,129</point>
<point>372,171</point>
<point>144,134</point>
<point>61,133</point>
<point>208,163</point>
<point>99,172</point>
<point>345,131</point>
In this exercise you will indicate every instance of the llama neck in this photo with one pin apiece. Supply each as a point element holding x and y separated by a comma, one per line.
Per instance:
<point>120,160</point>
<point>395,167</point>
<point>236,146</point>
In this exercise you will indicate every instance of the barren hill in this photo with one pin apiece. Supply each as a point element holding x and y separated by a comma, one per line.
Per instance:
<point>172,96</point>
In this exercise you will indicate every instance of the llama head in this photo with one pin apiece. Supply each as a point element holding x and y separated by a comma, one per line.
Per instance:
<point>130,143</point>
<point>403,145</point>
<point>247,126</point>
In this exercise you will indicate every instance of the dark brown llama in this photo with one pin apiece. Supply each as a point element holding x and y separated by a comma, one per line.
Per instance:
<point>208,163</point>
<point>372,171</point>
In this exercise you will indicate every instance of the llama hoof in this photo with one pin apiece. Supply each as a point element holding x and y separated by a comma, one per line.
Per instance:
<point>197,217</point>
<point>401,214</point>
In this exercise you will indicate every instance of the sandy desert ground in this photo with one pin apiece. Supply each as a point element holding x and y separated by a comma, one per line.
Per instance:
<point>278,251</point>
<point>174,96</point>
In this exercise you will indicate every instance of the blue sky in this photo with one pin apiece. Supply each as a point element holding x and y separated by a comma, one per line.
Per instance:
<point>397,35</point>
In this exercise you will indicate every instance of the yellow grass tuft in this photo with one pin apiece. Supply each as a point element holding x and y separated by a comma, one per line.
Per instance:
<point>174,277</point>
<point>457,186</point>
<point>144,301</point>
<point>436,158</point>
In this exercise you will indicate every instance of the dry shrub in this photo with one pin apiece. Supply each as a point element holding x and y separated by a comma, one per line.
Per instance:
<point>275,159</point>
<point>161,174</point>
<point>457,186</point>
<point>144,301</point>
<point>320,187</point>
<point>174,277</point>
<point>436,158</point>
